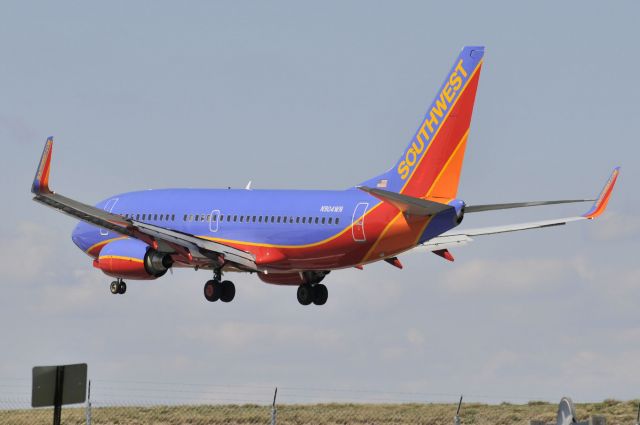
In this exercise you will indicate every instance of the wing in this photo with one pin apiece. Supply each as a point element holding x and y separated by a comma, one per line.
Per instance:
<point>191,248</point>
<point>462,237</point>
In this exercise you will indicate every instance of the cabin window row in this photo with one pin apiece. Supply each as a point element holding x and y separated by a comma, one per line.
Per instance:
<point>150,217</point>
<point>261,219</point>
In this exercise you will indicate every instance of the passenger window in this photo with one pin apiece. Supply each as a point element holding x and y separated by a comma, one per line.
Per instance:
<point>241,219</point>
<point>322,220</point>
<point>184,218</point>
<point>228,218</point>
<point>317,220</point>
<point>272,219</point>
<point>279,219</point>
<point>337,220</point>
<point>304,220</point>
<point>144,216</point>
<point>235,218</point>
<point>297,220</point>
<point>254,219</point>
<point>155,216</point>
<point>330,220</point>
<point>196,217</point>
<point>259,219</point>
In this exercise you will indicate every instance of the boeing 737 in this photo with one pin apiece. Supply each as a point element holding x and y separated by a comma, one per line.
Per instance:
<point>297,237</point>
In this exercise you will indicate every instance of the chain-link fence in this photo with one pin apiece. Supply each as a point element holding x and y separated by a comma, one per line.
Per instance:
<point>117,403</point>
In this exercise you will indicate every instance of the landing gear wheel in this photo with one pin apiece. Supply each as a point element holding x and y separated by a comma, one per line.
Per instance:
<point>228,291</point>
<point>114,287</point>
<point>212,290</point>
<point>122,287</point>
<point>305,294</point>
<point>320,294</point>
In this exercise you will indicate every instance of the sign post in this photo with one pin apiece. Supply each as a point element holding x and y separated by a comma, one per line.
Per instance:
<point>58,385</point>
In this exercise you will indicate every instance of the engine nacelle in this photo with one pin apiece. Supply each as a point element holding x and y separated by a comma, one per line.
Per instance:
<point>132,259</point>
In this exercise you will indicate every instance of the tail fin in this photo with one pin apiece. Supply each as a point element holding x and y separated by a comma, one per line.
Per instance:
<point>430,166</point>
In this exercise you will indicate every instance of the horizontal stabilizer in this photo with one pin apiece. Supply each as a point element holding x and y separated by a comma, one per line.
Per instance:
<point>407,204</point>
<point>491,207</point>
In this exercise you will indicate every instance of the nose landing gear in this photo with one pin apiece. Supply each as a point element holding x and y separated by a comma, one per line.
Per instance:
<point>118,287</point>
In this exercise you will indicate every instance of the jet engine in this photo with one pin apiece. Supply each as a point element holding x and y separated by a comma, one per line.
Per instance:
<point>132,259</point>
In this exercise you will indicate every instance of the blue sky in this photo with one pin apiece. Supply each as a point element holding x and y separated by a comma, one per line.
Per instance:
<point>325,95</point>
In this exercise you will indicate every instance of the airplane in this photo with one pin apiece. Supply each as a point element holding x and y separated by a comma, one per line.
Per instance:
<point>297,237</point>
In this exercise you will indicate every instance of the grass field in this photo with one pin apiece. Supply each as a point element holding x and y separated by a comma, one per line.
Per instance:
<point>326,414</point>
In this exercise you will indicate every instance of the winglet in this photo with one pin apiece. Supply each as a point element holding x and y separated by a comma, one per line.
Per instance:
<point>41,181</point>
<point>603,199</point>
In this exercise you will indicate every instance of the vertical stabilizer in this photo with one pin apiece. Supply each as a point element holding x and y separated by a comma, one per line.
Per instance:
<point>430,165</point>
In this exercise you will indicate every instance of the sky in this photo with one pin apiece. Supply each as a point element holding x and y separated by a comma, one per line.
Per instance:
<point>323,95</point>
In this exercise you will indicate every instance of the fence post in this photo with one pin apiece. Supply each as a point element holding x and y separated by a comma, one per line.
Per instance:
<point>456,418</point>
<point>274,409</point>
<point>87,408</point>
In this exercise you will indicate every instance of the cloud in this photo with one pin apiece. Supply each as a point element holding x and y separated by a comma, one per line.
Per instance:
<point>235,335</point>
<point>415,337</point>
<point>518,275</point>
<point>616,226</point>
<point>26,253</point>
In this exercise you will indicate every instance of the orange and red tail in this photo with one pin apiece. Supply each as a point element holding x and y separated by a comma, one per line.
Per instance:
<point>430,166</point>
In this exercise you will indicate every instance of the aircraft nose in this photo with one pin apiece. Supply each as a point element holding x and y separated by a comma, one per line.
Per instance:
<point>79,236</point>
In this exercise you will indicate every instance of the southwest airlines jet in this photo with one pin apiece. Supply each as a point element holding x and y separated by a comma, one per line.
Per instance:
<point>297,237</point>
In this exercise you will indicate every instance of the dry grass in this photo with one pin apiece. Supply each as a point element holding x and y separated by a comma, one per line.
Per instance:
<point>615,413</point>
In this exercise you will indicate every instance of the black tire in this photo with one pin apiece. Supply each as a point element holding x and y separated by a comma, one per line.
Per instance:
<point>228,291</point>
<point>212,291</point>
<point>305,294</point>
<point>114,287</point>
<point>320,294</point>
<point>122,288</point>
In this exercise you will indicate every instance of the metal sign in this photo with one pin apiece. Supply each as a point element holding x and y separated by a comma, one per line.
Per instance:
<point>59,385</point>
<point>566,412</point>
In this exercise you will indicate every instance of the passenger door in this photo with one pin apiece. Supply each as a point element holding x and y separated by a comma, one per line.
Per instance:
<point>214,221</point>
<point>108,207</point>
<point>357,222</point>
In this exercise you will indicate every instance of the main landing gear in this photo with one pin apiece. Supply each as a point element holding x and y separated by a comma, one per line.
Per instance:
<point>118,287</point>
<point>316,294</point>
<point>218,289</point>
